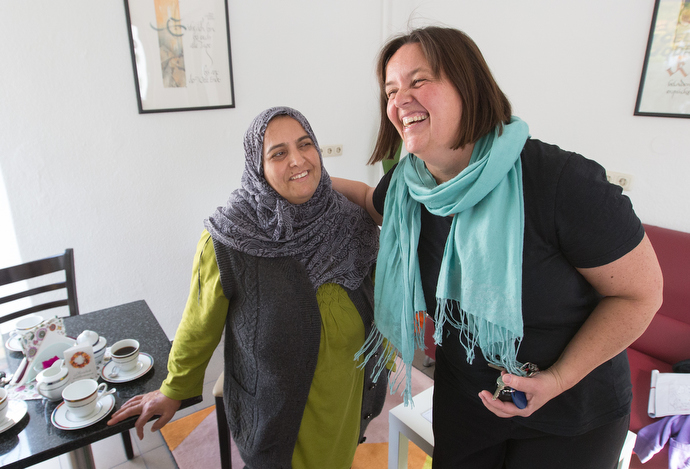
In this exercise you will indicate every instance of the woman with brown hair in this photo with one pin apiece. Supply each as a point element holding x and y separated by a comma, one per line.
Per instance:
<point>535,269</point>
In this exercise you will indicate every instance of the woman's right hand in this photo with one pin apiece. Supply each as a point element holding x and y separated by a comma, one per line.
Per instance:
<point>358,193</point>
<point>147,406</point>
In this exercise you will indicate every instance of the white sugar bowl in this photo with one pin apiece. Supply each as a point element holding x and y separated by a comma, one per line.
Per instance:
<point>96,341</point>
<point>88,337</point>
<point>99,349</point>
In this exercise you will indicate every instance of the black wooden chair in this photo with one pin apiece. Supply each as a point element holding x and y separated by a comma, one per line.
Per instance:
<point>35,269</point>
<point>33,272</point>
<point>223,430</point>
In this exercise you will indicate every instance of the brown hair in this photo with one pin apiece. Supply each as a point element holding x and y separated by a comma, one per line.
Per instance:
<point>450,52</point>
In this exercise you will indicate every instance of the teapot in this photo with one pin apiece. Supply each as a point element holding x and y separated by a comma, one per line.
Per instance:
<point>53,380</point>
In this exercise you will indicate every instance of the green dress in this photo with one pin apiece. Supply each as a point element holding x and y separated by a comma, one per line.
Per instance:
<point>329,431</point>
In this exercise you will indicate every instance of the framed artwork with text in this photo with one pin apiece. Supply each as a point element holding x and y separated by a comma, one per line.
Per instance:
<point>665,84</point>
<point>180,54</point>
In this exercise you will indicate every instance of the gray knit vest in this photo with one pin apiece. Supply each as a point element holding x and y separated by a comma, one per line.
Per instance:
<point>272,336</point>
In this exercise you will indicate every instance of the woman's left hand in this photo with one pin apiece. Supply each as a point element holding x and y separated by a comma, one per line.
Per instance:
<point>539,389</point>
<point>631,288</point>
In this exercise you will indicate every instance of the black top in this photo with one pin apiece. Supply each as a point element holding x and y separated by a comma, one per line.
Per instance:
<point>573,218</point>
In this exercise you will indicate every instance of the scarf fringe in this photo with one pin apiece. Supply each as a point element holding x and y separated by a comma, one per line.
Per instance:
<point>369,350</point>
<point>371,346</point>
<point>501,347</point>
<point>395,380</point>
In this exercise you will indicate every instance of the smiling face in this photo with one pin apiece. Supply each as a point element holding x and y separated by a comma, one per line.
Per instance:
<point>291,162</point>
<point>426,110</point>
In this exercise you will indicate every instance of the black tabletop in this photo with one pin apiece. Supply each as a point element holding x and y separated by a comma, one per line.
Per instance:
<point>35,438</point>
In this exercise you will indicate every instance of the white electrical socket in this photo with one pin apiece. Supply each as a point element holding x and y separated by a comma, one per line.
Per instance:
<point>620,179</point>
<point>332,150</point>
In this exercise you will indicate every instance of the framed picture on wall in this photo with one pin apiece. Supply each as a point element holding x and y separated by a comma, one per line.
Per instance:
<point>180,54</point>
<point>665,84</point>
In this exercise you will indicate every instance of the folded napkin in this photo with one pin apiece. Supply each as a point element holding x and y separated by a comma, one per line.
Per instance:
<point>41,344</point>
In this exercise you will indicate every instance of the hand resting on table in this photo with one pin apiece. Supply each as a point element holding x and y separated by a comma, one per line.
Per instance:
<point>147,406</point>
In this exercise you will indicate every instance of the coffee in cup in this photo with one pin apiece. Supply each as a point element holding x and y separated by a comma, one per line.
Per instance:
<point>81,397</point>
<point>125,354</point>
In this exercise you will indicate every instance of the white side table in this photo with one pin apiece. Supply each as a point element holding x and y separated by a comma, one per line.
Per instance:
<point>626,452</point>
<point>410,423</point>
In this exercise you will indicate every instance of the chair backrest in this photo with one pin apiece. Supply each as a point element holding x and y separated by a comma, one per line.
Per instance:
<point>34,269</point>
<point>668,336</point>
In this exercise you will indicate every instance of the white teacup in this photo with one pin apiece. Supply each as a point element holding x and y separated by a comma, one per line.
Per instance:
<point>125,354</point>
<point>4,401</point>
<point>26,323</point>
<point>52,381</point>
<point>82,396</point>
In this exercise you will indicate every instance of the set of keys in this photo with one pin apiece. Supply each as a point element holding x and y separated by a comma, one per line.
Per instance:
<point>507,394</point>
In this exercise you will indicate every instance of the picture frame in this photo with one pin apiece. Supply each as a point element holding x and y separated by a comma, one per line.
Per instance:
<point>181,54</point>
<point>664,89</point>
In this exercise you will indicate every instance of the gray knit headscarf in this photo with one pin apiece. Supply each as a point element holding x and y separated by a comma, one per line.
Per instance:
<point>333,238</point>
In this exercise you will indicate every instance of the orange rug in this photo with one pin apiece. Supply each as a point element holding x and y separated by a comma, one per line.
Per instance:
<point>375,456</point>
<point>175,433</point>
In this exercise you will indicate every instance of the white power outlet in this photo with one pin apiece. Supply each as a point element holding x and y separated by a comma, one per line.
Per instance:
<point>621,179</point>
<point>332,150</point>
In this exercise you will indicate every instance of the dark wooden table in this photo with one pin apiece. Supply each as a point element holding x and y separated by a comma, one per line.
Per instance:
<point>35,439</point>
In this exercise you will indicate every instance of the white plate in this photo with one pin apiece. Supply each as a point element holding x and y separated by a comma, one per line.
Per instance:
<point>13,344</point>
<point>63,419</point>
<point>144,364</point>
<point>15,412</point>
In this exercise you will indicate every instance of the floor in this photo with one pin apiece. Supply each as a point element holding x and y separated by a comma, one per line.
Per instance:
<point>151,452</point>
<point>426,365</point>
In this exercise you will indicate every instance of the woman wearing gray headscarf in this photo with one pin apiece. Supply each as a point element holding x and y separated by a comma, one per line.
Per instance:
<point>285,267</point>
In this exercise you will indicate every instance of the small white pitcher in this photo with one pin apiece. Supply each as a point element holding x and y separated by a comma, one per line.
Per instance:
<point>53,380</point>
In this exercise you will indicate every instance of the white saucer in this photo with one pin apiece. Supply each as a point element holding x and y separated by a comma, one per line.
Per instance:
<point>15,412</point>
<point>13,344</point>
<point>144,364</point>
<point>65,420</point>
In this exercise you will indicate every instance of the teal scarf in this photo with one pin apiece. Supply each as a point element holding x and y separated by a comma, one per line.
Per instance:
<point>481,270</point>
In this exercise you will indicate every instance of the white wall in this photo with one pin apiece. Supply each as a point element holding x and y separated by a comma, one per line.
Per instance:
<point>129,192</point>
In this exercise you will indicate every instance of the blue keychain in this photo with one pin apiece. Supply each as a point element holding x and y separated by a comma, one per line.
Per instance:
<point>506,393</point>
<point>519,399</point>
